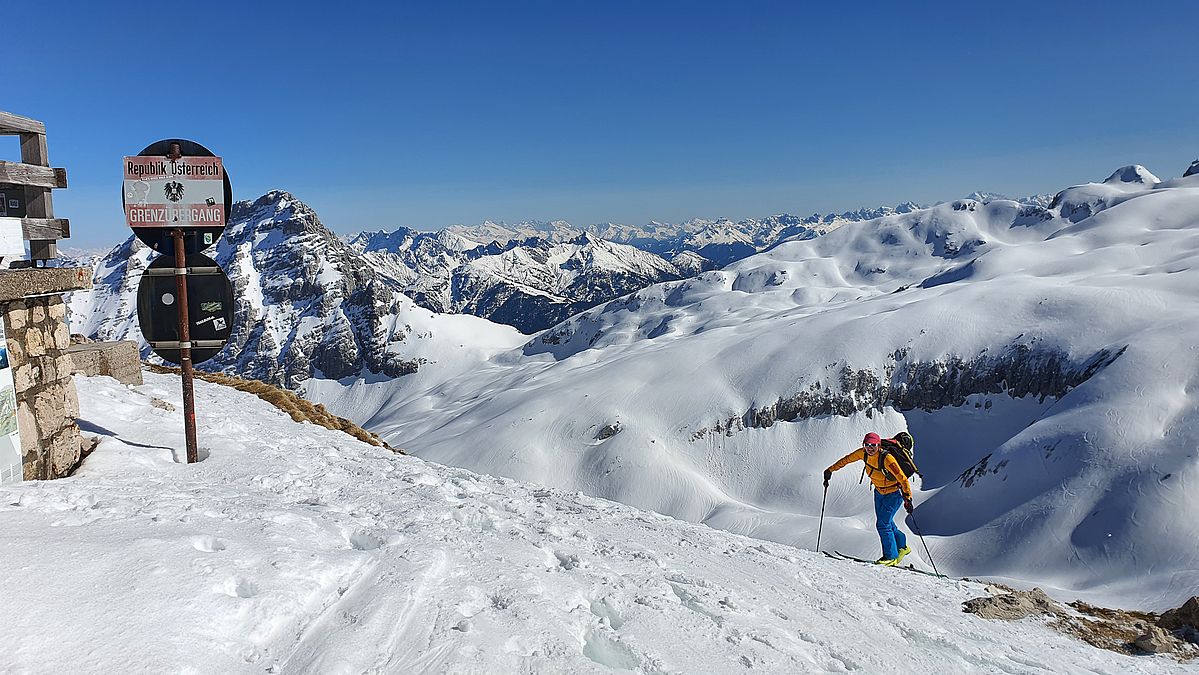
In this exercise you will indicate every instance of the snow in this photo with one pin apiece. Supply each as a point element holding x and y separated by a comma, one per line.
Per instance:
<point>293,548</point>
<point>1089,495</point>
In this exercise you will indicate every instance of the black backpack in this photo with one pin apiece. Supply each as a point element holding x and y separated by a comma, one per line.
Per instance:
<point>901,448</point>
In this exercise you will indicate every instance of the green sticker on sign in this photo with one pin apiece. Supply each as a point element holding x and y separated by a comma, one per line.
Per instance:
<point>210,307</point>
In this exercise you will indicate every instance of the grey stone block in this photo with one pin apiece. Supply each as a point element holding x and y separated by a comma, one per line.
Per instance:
<point>18,284</point>
<point>119,360</point>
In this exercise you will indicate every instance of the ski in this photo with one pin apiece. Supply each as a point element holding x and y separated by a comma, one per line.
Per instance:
<point>909,567</point>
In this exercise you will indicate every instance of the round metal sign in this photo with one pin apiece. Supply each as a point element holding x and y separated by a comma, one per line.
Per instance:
<point>209,307</point>
<point>203,220</point>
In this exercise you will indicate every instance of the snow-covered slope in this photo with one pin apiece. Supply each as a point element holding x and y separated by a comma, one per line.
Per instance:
<point>1038,355</point>
<point>293,548</point>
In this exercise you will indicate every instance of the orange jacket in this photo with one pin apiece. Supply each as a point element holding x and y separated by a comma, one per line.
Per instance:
<point>885,486</point>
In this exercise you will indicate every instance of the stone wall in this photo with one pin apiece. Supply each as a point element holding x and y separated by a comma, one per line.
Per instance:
<point>35,326</point>
<point>47,403</point>
<point>118,360</point>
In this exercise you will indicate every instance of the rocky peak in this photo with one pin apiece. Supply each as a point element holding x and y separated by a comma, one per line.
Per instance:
<point>305,302</point>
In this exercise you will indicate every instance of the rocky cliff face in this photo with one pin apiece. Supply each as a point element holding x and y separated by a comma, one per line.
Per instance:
<point>1021,369</point>
<point>306,304</point>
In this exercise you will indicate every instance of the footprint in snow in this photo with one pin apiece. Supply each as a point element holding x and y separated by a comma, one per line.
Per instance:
<point>237,587</point>
<point>608,652</point>
<point>365,541</point>
<point>208,544</point>
<point>564,561</point>
<point>606,609</point>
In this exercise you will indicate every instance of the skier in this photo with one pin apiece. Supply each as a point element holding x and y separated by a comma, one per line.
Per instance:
<point>891,489</point>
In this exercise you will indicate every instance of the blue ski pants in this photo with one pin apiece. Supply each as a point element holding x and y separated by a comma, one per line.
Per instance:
<point>885,508</point>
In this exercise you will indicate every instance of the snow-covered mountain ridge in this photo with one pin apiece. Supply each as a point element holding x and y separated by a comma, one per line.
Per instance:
<point>721,240</point>
<point>1033,351</point>
<point>529,284</point>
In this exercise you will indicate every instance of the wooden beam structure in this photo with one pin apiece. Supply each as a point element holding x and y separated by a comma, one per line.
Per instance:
<point>11,124</point>
<point>32,175</point>
<point>36,229</point>
<point>41,228</point>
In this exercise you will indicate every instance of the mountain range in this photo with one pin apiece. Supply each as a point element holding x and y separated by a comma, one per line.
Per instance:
<point>311,303</point>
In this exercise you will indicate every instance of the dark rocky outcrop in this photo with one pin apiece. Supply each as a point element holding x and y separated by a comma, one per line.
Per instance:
<point>311,306</point>
<point>1019,370</point>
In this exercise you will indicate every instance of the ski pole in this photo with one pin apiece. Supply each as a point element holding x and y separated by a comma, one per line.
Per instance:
<point>924,543</point>
<point>821,527</point>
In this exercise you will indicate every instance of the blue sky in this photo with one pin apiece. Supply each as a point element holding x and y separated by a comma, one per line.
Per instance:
<point>381,115</point>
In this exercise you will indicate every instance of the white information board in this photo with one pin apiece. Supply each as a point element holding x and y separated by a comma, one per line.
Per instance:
<point>12,240</point>
<point>10,438</point>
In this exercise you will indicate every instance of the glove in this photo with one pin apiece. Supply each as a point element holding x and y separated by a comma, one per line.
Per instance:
<point>827,475</point>
<point>907,504</point>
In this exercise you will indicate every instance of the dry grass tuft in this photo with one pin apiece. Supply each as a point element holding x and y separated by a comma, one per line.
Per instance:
<point>299,409</point>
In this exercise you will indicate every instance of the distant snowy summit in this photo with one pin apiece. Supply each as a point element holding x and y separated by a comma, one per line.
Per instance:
<point>988,197</point>
<point>720,241</point>
<point>1133,173</point>
<point>532,275</point>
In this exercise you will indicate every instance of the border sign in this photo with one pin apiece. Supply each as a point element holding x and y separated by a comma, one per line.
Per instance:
<point>184,192</point>
<point>209,308</point>
<point>176,183</point>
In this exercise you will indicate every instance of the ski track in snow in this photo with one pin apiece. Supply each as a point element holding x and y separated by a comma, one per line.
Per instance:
<point>292,548</point>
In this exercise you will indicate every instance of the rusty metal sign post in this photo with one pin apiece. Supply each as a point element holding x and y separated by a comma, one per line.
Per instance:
<point>185,350</point>
<point>178,187</point>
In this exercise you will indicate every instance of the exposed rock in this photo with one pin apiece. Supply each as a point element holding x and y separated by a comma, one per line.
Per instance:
<point>1014,605</point>
<point>608,431</point>
<point>1192,170</point>
<point>1156,641</point>
<point>1123,631</point>
<point>1019,370</point>
<point>320,308</point>
<point>162,405</point>
<point>1185,619</point>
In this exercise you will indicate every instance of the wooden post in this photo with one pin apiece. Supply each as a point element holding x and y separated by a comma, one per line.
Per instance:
<point>38,202</point>
<point>185,349</point>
